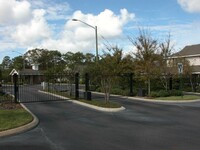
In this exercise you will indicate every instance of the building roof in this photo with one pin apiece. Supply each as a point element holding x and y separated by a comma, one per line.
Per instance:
<point>27,72</point>
<point>14,71</point>
<point>190,50</point>
<point>30,72</point>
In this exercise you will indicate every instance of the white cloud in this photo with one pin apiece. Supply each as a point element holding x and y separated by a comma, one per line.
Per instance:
<point>79,37</point>
<point>54,10</point>
<point>12,11</point>
<point>58,11</point>
<point>34,31</point>
<point>190,5</point>
<point>27,23</point>
<point>109,24</point>
<point>181,34</point>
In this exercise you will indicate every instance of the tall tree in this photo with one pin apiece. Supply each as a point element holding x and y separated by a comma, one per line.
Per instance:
<point>107,69</point>
<point>75,61</point>
<point>1,74</point>
<point>89,58</point>
<point>33,55</point>
<point>6,68</point>
<point>18,62</point>
<point>166,49</point>
<point>48,60</point>
<point>146,56</point>
<point>6,63</point>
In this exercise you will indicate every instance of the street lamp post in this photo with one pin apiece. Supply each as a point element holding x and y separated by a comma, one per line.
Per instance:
<point>96,35</point>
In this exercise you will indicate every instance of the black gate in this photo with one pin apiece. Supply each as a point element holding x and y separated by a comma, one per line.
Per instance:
<point>52,88</point>
<point>57,87</point>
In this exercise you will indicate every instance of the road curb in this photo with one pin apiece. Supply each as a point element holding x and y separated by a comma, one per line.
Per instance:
<point>87,105</point>
<point>99,108</point>
<point>21,129</point>
<point>154,100</point>
<point>163,101</point>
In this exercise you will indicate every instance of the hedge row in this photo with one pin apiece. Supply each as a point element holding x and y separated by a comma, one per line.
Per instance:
<point>163,93</point>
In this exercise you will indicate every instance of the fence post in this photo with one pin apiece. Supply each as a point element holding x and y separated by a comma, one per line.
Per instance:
<point>181,83</point>
<point>195,82</point>
<point>77,86</point>
<point>87,94</point>
<point>131,84</point>
<point>86,82</point>
<point>15,80</point>
<point>170,83</point>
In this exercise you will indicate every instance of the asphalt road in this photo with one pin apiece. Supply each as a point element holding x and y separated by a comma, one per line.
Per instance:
<point>142,126</point>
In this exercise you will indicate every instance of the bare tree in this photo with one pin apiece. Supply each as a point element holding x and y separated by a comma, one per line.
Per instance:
<point>166,49</point>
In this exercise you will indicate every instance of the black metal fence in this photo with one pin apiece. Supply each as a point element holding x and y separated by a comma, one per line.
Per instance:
<point>80,86</point>
<point>47,90</point>
<point>54,87</point>
<point>131,85</point>
<point>6,91</point>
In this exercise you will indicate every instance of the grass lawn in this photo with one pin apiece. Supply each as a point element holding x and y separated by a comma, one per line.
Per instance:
<point>92,102</point>
<point>185,97</point>
<point>102,103</point>
<point>13,118</point>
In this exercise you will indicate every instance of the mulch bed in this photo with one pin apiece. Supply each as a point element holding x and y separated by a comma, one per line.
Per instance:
<point>7,102</point>
<point>8,105</point>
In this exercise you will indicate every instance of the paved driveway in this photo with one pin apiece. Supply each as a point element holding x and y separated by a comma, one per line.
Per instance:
<point>142,126</point>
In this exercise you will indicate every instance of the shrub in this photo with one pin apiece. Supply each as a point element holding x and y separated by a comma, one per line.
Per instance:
<point>154,94</point>
<point>176,93</point>
<point>188,89</point>
<point>119,91</point>
<point>197,88</point>
<point>163,93</point>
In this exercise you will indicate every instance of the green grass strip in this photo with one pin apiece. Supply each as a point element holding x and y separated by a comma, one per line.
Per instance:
<point>10,119</point>
<point>102,103</point>
<point>91,102</point>
<point>185,97</point>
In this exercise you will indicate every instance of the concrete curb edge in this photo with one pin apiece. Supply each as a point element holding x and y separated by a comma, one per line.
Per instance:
<point>99,108</point>
<point>154,100</point>
<point>162,101</point>
<point>88,105</point>
<point>23,128</point>
<point>59,96</point>
<point>136,98</point>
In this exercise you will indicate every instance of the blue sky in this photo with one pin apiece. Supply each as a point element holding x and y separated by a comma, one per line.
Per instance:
<point>28,24</point>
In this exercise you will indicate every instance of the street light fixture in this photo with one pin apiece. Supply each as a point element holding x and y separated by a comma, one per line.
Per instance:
<point>96,36</point>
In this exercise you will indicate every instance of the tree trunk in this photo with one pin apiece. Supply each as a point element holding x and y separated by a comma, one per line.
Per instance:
<point>106,86</point>
<point>191,83</point>
<point>149,87</point>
